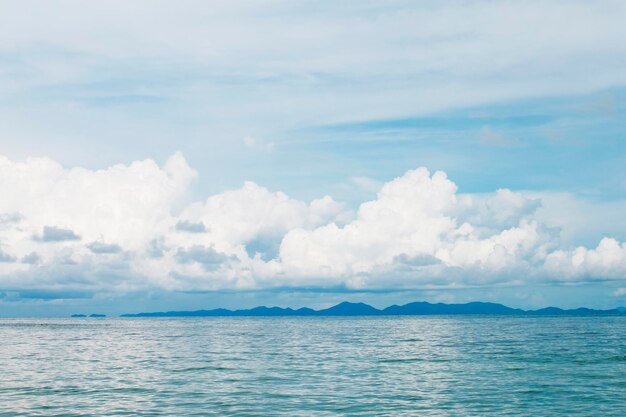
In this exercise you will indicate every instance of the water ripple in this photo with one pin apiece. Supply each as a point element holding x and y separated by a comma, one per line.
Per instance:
<point>427,366</point>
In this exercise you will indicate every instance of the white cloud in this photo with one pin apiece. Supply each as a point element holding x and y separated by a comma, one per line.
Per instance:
<point>419,216</point>
<point>408,217</point>
<point>495,211</point>
<point>129,227</point>
<point>619,292</point>
<point>606,261</point>
<point>366,184</point>
<point>581,220</point>
<point>253,143</point>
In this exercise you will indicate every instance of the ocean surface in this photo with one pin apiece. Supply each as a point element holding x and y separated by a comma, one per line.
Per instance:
<point>305,366</point>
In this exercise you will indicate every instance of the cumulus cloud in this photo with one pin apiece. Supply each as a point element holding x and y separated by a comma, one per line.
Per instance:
<point>32,258</point>
<point>5,257</point>
<point>419,231</point>
<point>494,211</point>
<point>606,261</point>
<point>191,227</point>
<point>100,247</point>
<point>57,234</point>
<point>420,217</point>
<point>207,256</point>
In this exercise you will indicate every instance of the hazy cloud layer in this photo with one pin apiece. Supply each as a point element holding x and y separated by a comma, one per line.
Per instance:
<point>238,74</point>
<point>128,227</point>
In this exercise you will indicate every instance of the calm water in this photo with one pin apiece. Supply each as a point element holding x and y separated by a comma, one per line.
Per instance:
<point>314,366</point>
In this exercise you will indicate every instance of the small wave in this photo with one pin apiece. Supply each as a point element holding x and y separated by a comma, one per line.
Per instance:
<point>404,360</point>
<point>201,368</point>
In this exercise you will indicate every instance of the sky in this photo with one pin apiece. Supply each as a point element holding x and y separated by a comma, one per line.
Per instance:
<point>176,156</point>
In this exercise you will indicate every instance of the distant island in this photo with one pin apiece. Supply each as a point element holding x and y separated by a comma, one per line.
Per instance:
<point>412,309</point>
<point>96,316</point>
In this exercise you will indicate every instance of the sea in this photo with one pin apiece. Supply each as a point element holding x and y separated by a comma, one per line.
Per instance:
<point>314,366</point>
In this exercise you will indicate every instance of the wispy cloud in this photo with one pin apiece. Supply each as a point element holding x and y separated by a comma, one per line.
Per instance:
<point>488,136</point>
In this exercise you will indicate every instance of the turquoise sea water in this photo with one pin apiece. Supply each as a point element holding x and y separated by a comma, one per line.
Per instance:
<point>426,366</point>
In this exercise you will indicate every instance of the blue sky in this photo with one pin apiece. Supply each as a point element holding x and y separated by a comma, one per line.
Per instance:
<point>175,108</point>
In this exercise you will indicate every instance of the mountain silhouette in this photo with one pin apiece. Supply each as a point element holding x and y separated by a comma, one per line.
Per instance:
<point>424,308</point>
<point>349,309</point>
<point>421,308</point>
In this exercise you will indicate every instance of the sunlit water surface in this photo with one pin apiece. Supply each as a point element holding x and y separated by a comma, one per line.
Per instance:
<point>314,366</point>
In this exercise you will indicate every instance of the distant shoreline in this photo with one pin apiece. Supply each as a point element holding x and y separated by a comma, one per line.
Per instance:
<point>412,309</point>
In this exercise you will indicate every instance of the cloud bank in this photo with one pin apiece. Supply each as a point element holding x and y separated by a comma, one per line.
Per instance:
<point>129,227</point>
